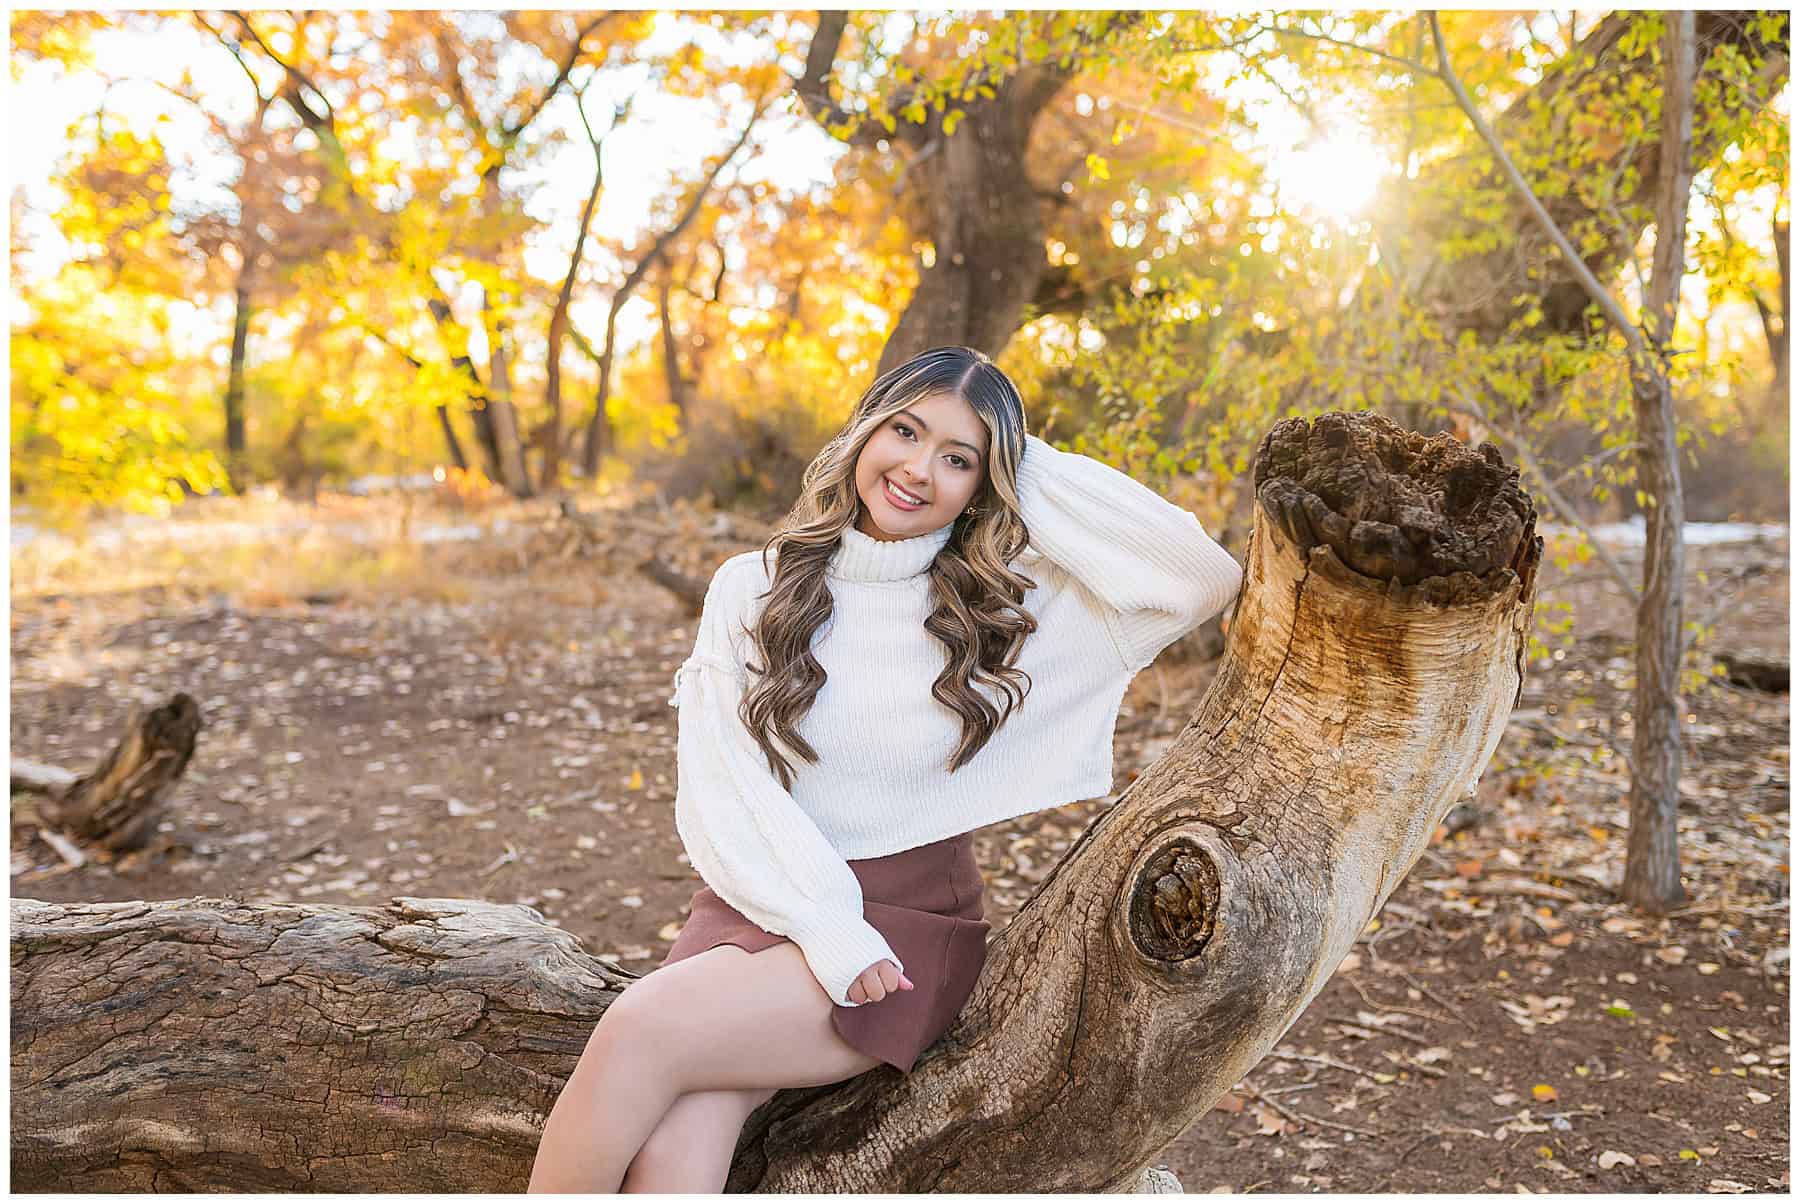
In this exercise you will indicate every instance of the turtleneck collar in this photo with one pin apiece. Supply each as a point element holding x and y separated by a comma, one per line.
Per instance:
<point>862,557</point>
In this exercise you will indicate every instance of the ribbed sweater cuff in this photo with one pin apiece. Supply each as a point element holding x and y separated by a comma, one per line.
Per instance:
<point>838,953</point>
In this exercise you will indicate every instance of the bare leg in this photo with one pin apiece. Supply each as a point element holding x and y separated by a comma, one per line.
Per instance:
<point>690,1149</point>
<point>724,1019</point>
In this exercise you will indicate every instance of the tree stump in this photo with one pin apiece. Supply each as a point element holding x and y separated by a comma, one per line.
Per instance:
<point>1377,650</point>
<point>117,805</point>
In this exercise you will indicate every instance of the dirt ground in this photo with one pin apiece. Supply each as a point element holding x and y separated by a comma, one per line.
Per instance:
<point>488,718</point>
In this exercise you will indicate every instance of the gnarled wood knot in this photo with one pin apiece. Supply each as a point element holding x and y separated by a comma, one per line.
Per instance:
<point>1175,902</point>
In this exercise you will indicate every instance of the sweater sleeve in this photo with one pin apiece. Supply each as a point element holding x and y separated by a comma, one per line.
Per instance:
<point>743,831</point>
<point>1154,568</point>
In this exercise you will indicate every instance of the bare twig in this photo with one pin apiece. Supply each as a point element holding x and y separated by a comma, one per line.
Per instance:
<point>65,848</point>
<point>505,858</point>
<point>1599,457</point>
<point>1729,909</point>
<point>1301,1118</point>
<point>1363,1030</point>
<point>1290,1089</point>
<point>42,778</point>
<point>1323,1060</point>
<point>1550,587</point>
<point>1392,1007</point>
<point>1424,1068</point>
<point>1437,1131</point>
<point>308,850</point>
<point>1605,740</point>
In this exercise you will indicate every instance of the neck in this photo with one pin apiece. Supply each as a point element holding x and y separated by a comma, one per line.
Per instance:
<point>861,557</point>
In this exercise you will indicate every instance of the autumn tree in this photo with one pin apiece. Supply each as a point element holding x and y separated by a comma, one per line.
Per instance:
<point>107,406</point>
<point>965,146</point>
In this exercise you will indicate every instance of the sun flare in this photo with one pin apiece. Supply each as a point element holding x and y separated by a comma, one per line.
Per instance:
<point>1336,177</point>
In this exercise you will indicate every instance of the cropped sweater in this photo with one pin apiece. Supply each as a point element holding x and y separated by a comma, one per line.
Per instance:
<point>1121,574</point>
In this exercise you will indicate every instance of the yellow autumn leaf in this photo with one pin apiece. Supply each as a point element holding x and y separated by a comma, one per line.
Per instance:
<point>637,780</point>
<point>1543,1091</point>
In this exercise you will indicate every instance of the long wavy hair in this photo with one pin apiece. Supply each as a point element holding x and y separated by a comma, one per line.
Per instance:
<point>977,614</point>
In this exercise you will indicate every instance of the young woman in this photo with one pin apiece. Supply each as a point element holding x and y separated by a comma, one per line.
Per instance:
<point>850,714</point>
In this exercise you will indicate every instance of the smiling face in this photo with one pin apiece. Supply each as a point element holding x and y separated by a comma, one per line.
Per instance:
<point>936,450</point>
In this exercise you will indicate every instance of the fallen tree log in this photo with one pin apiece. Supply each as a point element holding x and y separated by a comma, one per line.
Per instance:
<point>1754,672</point>
<point>1377,650</point>
<point>284,1047</point>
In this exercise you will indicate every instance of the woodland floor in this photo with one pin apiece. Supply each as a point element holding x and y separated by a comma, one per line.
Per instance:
<point>488,718</point>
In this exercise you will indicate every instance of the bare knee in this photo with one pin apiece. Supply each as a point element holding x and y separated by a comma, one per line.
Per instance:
<point>691,1148</point>
<point>644,1017</point>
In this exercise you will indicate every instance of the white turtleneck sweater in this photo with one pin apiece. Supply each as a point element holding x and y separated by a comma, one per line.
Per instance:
<point>1121,574</point>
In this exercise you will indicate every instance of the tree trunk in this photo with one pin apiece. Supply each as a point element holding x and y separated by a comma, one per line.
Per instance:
<point>986,225</point>
<point>1378,647</point>
<point>502,413</point>
<point>460,360</point>
<point>118,804</point>
<point>452,445</point>
<point>1775,324</point>
<point>673,381</point>
<point>235,443</point>
<point>275,1047</point>
<point>985,217</point>
<point>550,475</point>
<point>413,1047</point>
<point>1653,853</point>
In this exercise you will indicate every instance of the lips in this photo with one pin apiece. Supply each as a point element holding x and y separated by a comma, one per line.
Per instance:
<point>888,490</point>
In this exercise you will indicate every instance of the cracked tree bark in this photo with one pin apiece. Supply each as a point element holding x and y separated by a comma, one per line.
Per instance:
<point>1377,651</point>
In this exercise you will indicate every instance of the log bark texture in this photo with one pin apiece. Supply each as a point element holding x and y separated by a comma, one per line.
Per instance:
<point>1377,650</point>
<point>216,1045</point>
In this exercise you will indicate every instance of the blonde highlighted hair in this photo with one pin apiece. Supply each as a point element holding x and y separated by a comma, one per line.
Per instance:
<point>976,614</point>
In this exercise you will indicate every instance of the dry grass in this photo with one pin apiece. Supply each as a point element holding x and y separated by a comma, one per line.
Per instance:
<point>262,551</point>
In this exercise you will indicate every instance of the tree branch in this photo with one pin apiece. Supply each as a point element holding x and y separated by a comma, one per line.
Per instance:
<point>1596,292</point>
<point>236,53</point>
<point>1398,60</point>
<point>814,85</point>
<point>299,77</point>
<point>562,76</point>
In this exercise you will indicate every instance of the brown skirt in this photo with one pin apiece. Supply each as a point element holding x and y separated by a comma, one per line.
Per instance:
<point>927,902</point>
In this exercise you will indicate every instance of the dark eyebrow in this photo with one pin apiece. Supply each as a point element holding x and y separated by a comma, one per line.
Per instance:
<point>927,428</point>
